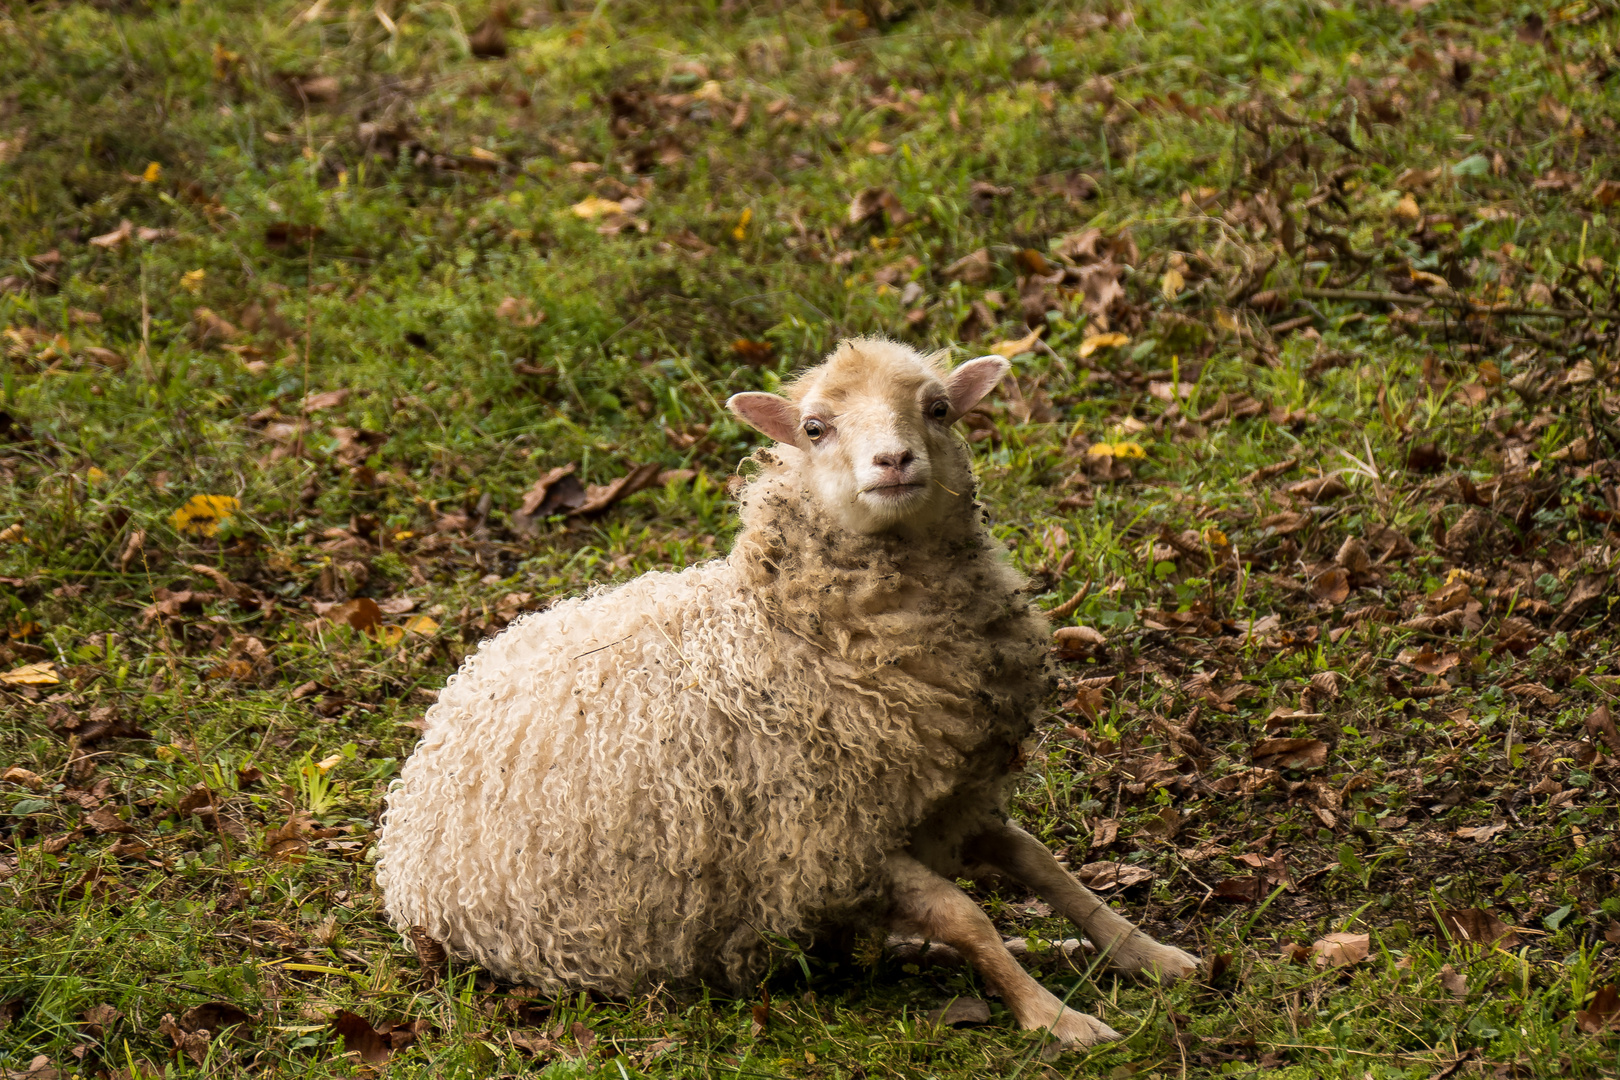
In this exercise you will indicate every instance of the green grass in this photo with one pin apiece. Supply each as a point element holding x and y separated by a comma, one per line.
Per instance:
<point>363,236</point>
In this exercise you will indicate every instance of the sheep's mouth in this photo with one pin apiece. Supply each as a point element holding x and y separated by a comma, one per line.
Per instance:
<point>895,491</point>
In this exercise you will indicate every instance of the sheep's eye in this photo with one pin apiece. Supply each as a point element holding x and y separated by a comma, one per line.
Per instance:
<point>815,429</point>
<point>939,410</point>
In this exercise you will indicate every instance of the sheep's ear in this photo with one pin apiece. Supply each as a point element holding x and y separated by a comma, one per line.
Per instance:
<point>968,384</point>
<point>769,414</point>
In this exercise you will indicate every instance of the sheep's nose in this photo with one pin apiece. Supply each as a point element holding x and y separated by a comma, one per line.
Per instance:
<point>894,459</point>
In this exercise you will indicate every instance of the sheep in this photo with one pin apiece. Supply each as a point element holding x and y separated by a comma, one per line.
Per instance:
<point>653,783</point>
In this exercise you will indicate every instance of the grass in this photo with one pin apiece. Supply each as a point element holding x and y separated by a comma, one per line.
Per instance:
<point>383,293</point>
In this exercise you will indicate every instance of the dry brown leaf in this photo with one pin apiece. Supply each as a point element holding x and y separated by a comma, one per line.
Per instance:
<point>361,1039</point>
<point>1331,586</point>
<point>1102,876</point>
<point>1428,661</point>
<point>1600,725</point>
<point>1454,982</point>
<point>27,778</point>
<point>1341,950</point>
<point>329,399</point>
<point>1477,927</point>
<point>1318,489</point>
<point>1290,753</point>
<point>1602,1013</point>
<point>360,614</point>
<point>598,497</point>
<point>961,1011</point>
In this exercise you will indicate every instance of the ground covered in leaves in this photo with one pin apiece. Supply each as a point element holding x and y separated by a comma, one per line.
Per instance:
<point>336,335</point>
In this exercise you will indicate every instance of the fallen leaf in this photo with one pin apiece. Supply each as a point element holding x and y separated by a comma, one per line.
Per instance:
<point>1455,983</point>
<point>1476,927</point>
<point>421,624</point>
<point>1079,639</point>
<point>360,1038</point>
<point>556,492</point>
<point>1341,950</point>
<point>1318,489</point>
<point>361,613</point>
<point>1331,586</point>
<point>98,1018</point>
<point>27,778</point>
<point>107,822</point>
<point>1094,342</point>
<point>517,311</point>
<point>125,230</point>
<point>598,497</point>
<point>202,515</point>
<point>961,1011</point>
<point>329,399</point>
<point>754,353</point>
<point>1103,876</point>
<point>1428,661</point>
<point>41,674</point>
<point>1482,833</point>
<point>216,1017</point>
<point>488,42</point>
<point>1290,753</point>
<point>1602,1013</point>
<point>1116,450</point>
<point>1013,347</point>
<point>1244,888</point>
<point>593,206</point>
<point>1600,725</point>
<point>974,268</point>
<point>873,202</point>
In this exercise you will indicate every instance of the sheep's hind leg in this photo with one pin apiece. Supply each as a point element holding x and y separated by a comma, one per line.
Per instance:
<point>1013,851</point>
<point>932,906</point>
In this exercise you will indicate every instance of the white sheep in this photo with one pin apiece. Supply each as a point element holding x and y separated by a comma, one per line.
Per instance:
<point>655,782</point>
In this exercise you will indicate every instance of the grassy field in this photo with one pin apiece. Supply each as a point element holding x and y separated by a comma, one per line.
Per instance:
<point>308,307</point>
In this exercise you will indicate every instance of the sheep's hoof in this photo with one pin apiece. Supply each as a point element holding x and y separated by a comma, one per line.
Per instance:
<point>1078,1029</point>
<point>1141,955</point>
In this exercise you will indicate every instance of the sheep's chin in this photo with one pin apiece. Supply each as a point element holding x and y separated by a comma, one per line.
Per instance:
<point>885,509</point>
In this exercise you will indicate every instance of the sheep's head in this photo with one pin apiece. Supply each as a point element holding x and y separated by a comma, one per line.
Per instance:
<point>872,427</point>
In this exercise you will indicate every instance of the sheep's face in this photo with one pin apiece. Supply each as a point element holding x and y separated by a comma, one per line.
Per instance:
<point>873,424</point>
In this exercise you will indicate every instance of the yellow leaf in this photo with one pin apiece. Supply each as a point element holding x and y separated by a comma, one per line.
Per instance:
<point>42,674</point>
<point>1102,341</point>
<point>26,629</point>
<point>153,171</point>
<point>13,533</point>
<point>1171,283</point>
<point>1013,346</point>
<point>1117,450</point>
<point>593,207</point>
<point>483,155</point>
<point>1407,209</point>
<point>421,624</point>
<point>741,231</point>
<point>390,635</point>
<point>327,764</point>
<point>202,514</point>
<point>1215,538</point>
<point>94,475</point>
<point>192,281</point>
<point>1225,321</point>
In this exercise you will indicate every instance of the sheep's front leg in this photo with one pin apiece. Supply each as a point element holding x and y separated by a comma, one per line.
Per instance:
<point>926,904</point>
<point>1013,851</point>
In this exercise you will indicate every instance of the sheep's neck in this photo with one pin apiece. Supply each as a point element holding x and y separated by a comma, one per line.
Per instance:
<point>850,592</point>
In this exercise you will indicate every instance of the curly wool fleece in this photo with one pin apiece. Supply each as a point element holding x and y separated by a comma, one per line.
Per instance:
<point>652,782</point>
